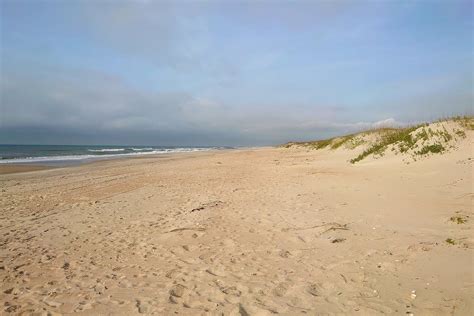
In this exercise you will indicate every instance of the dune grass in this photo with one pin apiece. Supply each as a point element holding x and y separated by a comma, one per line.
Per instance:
<point>435,149</point>
<point>401,136</point>
<point>465,121</point>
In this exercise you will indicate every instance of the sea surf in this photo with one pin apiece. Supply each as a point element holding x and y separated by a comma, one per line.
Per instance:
<point>70,154</point>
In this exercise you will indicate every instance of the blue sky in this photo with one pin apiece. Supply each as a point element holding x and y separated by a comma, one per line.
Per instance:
<point>228,73</point>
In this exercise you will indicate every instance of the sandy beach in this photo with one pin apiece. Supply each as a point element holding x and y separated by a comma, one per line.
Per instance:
<point>241,232</point>
<point>236,158</point>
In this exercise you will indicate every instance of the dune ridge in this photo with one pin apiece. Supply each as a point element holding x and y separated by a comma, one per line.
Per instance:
<point>416,141</point>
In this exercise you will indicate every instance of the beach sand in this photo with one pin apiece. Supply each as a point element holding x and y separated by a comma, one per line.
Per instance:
<point>241,232</point>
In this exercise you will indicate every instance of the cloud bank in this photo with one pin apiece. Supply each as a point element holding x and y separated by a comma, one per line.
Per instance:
<point>243,73</point>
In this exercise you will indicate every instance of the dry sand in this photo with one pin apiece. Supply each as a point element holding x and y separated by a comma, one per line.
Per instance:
<point>249,232</point>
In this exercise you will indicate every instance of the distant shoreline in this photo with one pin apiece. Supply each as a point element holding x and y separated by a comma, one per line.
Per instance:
<point>67,155</point>
<point>20,167</point>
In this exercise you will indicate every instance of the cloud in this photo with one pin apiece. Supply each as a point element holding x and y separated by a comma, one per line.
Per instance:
<point>86,100</point>
<point>81,102</point>
<point>239,73</point>
<point>390,122</point>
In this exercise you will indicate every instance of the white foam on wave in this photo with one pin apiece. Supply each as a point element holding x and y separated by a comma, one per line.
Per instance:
<point>106,150</point>
<point>97,157</point>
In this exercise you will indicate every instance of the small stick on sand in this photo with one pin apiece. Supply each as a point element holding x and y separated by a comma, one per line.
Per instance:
<point>186,228</point>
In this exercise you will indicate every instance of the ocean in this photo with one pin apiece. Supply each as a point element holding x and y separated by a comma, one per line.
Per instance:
<point>71,154</point>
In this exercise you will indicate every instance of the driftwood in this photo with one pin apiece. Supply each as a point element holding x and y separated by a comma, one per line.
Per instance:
<point>209,204</point>
<point>333,225</point>
<point>200,229</point>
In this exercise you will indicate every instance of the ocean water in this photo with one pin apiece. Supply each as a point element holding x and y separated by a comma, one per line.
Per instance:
<point>70,154</point>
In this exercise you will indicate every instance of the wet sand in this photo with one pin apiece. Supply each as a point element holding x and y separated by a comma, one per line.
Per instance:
<point>17,168</point>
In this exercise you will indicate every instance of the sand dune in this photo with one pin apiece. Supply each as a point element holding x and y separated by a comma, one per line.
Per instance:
<point>246,232</point>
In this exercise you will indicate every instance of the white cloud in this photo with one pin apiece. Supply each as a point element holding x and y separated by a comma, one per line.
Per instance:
<point>390,122</point>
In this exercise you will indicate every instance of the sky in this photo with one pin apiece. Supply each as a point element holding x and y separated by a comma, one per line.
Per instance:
<point>235,73</point>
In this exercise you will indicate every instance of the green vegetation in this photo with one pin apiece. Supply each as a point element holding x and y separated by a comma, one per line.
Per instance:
<point>374,149</point>
<point>333,143</point>
<point>402,137</point>
<point>461,133</point>
<point>344,140</point>
<point>450,241</point>
<point>458,219</point>
<point>338,143</point>
<point>465,121</point>
<point>423,134</point>
<point>445,134</point>
<point>435,149</point>
<point>322,143</point>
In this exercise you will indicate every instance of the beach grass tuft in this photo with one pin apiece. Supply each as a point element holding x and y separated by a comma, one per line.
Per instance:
<point>435,149</point>
<point>458,219</point>
<point>450,241</point>
<point>401,136</point>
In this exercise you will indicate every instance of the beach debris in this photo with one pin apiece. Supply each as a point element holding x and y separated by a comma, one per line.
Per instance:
<point>197,209</point>
<point>343,277</point>
<point>337,240</point>
<point>206,205</point>
<point>413,294</point>
<point>200,229</point>
<point>66,265</point>
<point>333,226</point>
